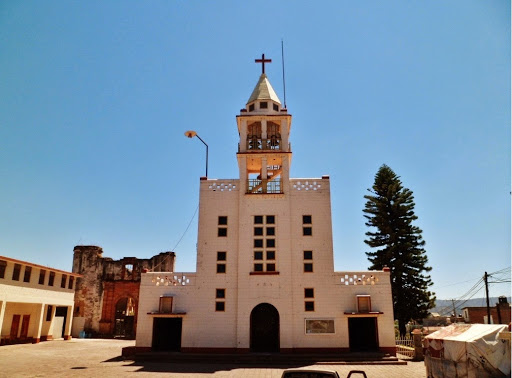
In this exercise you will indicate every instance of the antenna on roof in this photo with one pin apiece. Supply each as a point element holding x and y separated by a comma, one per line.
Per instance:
<point>284,84</point>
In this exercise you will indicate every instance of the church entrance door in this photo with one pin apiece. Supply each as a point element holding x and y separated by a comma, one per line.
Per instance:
<point>264,329</point>
<point>362,333</point>
<point>167,334</point>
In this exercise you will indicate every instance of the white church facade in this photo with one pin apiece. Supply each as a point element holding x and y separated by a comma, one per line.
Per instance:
<point>265,279</point>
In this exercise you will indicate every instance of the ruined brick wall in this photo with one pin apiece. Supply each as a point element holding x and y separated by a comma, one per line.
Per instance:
<point>105,281</point>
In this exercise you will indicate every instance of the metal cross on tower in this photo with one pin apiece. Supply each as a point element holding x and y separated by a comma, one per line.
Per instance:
<point>263,61</point>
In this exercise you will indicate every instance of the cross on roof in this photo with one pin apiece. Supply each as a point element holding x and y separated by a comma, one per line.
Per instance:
<point>263,61</point>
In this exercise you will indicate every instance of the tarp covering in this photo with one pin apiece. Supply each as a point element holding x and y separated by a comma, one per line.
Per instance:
<point>467,350</point>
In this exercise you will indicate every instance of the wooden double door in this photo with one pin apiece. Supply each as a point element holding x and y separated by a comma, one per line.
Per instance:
<point>15,327</point>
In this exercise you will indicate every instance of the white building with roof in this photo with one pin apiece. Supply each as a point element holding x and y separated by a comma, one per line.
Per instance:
<point>36,302</point>
<point>265,279</point>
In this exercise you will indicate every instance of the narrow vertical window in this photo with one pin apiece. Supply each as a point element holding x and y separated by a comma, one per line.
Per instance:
<point>222,231</point>
<point>16,272</point>
<point>28,272</point>
<point>71,281</point>
<point>3,265</point>
<point>308,261</point>
<point>63,281</point>
<point>309,303</point>
<point>221,262</point>
<point>307,230</point>
<point>42,274</point>
<point>51,279</point>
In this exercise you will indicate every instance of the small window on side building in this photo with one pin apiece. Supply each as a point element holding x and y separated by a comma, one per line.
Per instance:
<point>28,272</point>
<point>42,274</point>
<point>3,265</point>
<point>16,272</point>
<point>51,279</point>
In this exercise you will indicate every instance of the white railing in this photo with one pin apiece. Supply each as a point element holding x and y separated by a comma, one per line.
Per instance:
<point>405,347</point>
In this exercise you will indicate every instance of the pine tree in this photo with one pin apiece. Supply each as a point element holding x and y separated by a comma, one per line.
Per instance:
<point>389,210</point>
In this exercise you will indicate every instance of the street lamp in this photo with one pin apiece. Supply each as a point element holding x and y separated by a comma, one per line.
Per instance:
<point>191,134</point>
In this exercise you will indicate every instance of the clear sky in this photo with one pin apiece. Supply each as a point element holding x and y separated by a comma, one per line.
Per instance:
<point>95,97</point>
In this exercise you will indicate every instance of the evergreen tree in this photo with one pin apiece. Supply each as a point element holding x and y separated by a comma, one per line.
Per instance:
<point>389,210</point>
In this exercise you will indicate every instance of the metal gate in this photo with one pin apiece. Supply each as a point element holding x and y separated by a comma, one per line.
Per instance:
<point>404,348</point>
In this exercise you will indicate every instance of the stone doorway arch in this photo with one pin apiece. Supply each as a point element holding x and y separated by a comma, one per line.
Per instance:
<point>125,318</point>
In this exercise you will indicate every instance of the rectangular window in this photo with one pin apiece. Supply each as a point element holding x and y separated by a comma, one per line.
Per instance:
<point>308,267</point>
<point>220,293</point>
<point>263,105</point>
<point>264,259</point>
<point>307,231</point>
<point>220,306</point>
<point>28,272</point>
<point>49,312</point>
<point>363,303</point>
<point>63,281</point>
<point>276,107</point>
<point>3,265</point>
<point>251,107</point>
<point>16,272</point>
<point>221,268</point>
<point>306,219</point>
<point>165,305</point>
<point>71,281</point>
<point>222,231</point>
<point>309,306</point>
<point>221,256</point>
<point>42,274</point>
<point>309,293</point>
<point>51,279</point>
<point>308,255</point>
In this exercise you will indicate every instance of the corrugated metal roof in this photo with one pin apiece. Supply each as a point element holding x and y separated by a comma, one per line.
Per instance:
<point>263,91</point>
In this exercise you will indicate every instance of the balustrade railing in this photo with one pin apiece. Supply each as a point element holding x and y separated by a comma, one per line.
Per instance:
<point>264,186</point>
<point>263,144</point>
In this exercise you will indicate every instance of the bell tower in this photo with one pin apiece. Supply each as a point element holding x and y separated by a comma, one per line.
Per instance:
<point>264,153</point>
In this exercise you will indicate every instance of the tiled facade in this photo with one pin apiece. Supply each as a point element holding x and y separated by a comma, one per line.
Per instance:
<point>36,302</point>
<point>265,279</point>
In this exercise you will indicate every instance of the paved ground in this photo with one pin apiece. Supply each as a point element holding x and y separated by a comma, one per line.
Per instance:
<point>101,358</point>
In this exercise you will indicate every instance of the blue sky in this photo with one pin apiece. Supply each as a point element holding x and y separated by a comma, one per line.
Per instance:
<point>95,97</point>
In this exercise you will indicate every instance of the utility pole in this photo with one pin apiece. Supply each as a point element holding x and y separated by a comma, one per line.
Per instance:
<point>454,310</point>
<point>487,297</point>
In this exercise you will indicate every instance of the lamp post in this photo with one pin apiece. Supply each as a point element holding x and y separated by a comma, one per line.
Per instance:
<point>191,134</point>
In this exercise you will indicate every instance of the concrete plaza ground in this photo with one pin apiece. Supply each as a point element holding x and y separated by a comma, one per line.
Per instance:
<point>102,358</point>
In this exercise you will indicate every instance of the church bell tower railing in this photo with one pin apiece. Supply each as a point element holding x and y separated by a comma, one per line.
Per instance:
<point>255,186</point>
<point>263,144</point>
